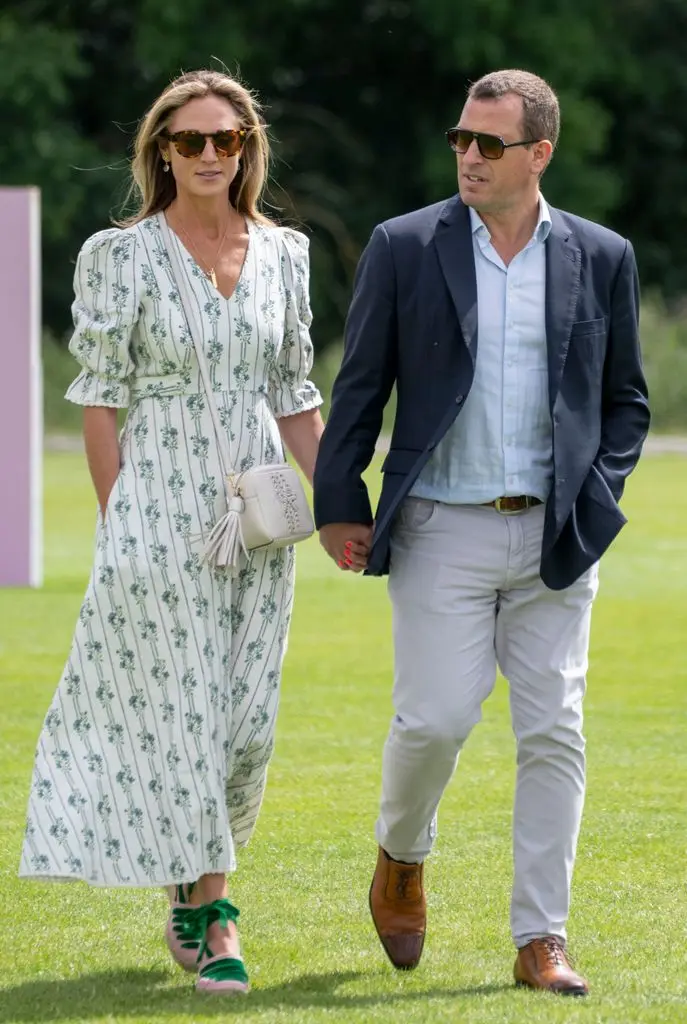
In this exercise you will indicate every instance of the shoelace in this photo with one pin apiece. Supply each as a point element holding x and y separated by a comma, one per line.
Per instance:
<point>403,882</point>
<point>555,952</point>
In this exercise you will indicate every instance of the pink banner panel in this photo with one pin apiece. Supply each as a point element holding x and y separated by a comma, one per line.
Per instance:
<point>21,408</point>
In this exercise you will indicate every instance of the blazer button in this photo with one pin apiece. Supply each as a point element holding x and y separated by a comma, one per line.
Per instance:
<point>459,399</point>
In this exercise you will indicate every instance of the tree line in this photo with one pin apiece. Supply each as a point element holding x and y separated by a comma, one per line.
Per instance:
<point>357,96</point>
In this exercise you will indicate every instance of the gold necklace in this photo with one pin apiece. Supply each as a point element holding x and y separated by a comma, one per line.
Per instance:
<point>209,271</point>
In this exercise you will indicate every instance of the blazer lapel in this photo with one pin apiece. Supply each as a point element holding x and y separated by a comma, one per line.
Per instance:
<point>453,240</point>
<point>563,260</point>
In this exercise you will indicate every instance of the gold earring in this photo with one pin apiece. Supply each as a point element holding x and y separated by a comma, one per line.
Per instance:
<point>166,167</point>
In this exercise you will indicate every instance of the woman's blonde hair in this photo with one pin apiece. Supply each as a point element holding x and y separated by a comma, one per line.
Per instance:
<point>155,189</point>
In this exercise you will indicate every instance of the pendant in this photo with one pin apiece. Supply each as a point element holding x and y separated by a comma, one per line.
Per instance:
<point>213,277</point>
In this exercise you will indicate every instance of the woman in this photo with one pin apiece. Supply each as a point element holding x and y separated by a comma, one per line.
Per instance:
<point>152,762</point>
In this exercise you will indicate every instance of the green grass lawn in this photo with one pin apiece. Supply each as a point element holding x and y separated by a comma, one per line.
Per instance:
<point>75,954</point>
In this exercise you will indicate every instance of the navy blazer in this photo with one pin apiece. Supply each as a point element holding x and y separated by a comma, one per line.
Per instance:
<point>413,324</point>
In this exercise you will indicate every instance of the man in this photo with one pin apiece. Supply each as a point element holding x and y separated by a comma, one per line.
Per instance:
<point>510,331</point>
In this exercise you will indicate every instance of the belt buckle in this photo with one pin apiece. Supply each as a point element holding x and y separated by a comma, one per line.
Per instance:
<point>507,511</point>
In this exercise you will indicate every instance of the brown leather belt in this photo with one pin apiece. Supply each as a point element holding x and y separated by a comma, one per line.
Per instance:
<point>515,503</point>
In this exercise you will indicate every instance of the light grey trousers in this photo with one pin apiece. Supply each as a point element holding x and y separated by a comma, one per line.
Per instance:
<point>467,597</point>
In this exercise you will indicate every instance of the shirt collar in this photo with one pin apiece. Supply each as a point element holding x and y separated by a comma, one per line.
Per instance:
<point>541,231</point>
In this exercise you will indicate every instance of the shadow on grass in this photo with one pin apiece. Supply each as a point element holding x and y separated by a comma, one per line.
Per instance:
<point>136,993</point>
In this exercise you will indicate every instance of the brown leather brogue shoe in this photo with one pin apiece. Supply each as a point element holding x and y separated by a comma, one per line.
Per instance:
<point>399,910</point>
<point>543,963</point>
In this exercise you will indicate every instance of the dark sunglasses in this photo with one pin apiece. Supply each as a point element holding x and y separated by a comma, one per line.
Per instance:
<point>492,147</point>
<point>192,143</point>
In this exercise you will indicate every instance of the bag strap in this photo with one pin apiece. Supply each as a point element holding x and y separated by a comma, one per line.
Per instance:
<point>189,312</point>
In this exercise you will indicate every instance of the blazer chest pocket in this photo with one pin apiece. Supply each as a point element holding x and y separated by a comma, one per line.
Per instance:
<point>588,339</point>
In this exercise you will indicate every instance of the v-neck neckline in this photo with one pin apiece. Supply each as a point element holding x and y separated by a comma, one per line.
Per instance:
<point>206,278</point>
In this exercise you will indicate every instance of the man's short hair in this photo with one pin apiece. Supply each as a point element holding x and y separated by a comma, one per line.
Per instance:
<point>541,113</point>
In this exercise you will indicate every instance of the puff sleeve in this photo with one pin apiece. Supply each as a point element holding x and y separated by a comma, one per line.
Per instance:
<point>105,311</point>
<point>291,392</point>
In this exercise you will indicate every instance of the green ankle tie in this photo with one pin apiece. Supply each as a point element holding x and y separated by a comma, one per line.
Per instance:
<point>182,924</point>
<point>195,924</point>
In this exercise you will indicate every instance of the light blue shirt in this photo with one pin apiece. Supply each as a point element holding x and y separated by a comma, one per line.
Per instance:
<point>501,443</point>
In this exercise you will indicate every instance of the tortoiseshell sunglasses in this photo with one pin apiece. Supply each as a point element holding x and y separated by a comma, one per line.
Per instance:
<point>191,143</point>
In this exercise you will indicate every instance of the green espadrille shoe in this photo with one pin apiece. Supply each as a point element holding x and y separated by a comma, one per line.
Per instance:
<point>218,974</point>
<point>183,938</point>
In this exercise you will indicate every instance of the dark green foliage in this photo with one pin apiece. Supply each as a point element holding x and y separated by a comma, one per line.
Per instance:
<point>357,96</point>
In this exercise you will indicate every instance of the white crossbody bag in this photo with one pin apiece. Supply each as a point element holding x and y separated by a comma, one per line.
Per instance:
<point>266,505</point>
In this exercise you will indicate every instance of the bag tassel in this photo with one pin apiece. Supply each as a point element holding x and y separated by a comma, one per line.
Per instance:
<point>225,540</point>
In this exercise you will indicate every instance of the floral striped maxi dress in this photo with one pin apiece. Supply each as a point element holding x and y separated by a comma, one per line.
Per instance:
<point>152,761</point>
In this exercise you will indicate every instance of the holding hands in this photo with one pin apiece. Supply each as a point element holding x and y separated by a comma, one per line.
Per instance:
<point>348,544</point>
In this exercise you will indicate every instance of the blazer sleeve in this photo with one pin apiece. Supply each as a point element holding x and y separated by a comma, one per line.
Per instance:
<point>105,311</point>
<point>625,413</point>
<point>361,390</point>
